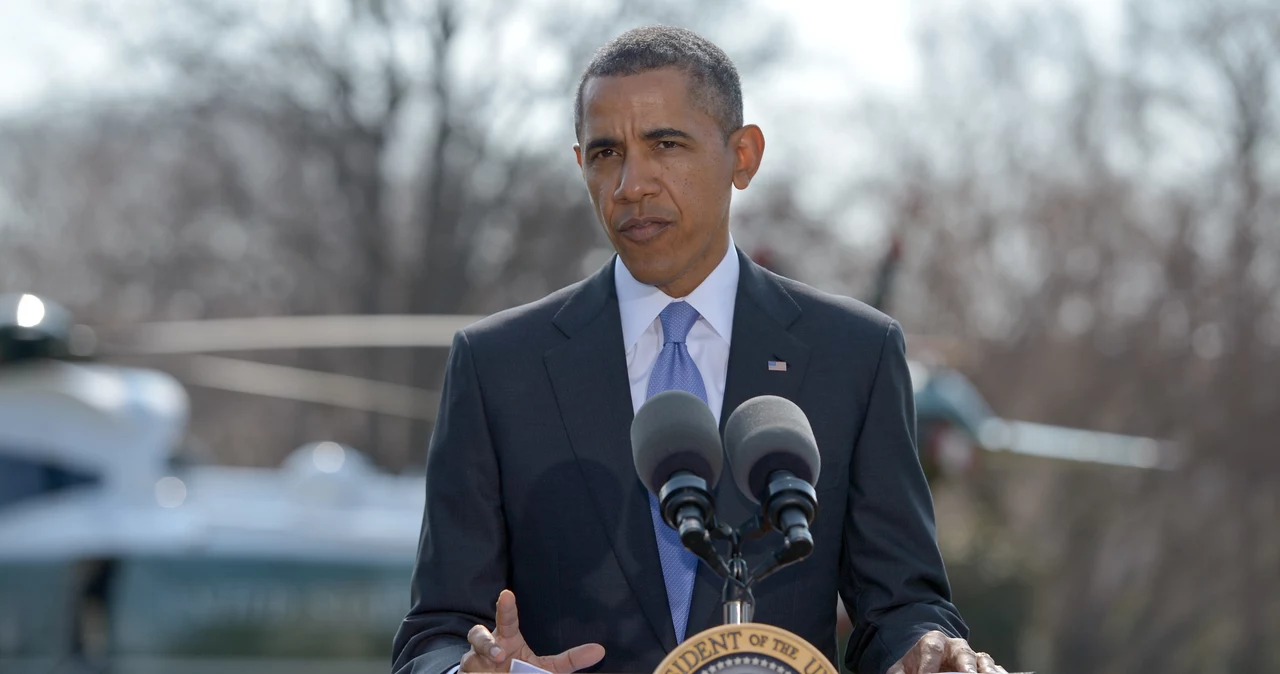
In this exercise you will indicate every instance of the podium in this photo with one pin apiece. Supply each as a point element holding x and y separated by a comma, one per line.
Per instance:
<point>745,648</point>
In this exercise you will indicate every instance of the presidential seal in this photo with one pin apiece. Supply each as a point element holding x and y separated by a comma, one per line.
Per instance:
<point>746,648</point>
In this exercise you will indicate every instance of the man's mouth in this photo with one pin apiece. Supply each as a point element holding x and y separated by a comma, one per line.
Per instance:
<point>640,230</point>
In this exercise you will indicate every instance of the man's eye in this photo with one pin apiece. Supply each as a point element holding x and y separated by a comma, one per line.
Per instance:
<point>606,153</point>
<point>668,144</point>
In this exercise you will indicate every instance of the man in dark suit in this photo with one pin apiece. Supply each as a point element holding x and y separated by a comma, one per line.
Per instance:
<point>531,489</point>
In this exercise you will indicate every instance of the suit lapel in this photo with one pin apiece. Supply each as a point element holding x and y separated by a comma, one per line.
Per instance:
<point>762,313</point>
<point>589,377</point>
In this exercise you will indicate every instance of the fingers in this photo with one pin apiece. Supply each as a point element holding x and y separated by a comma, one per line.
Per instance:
<point>508,622</point>
<point>935,652</point>
<point>472,662</point>
<point>484,644</point>
<point>578,657</point>
<point>932,649</point>
<point>960,657</point>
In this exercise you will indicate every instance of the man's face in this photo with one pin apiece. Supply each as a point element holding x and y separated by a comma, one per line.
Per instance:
<point>660,174</point>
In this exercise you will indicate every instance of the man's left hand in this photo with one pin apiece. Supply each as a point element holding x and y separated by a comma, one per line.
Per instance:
<point>935,652</point>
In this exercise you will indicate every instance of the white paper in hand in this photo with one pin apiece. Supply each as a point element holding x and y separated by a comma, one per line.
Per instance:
<point>522,667</point>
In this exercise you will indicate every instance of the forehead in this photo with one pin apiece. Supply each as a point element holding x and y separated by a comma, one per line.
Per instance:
<point>652,99</point>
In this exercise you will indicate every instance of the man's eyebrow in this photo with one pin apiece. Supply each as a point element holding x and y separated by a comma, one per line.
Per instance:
<point>665,132</point>
<point>649,135</point>
<point>600,143</point>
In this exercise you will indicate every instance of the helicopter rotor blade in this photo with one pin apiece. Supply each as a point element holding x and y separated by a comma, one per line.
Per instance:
<point>1075,444</point>
<point>288,332</point>
<point>351,331</point>
<point>293,383</point>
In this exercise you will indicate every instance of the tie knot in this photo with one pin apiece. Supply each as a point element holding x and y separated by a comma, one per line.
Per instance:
<point>677,320</point>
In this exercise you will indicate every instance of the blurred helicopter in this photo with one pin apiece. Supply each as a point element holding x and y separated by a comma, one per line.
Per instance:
<point>117,556</point>
<point>955,423</point>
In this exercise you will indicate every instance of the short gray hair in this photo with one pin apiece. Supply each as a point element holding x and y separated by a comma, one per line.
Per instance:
<point>714,79</point>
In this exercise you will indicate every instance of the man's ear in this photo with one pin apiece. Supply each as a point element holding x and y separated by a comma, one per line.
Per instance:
<point>747,144</point>
<point>577,153</point>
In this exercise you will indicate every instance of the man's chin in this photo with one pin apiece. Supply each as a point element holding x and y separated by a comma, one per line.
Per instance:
<point>649,273</point>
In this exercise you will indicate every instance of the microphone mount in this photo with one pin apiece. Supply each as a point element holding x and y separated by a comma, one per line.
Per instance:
<point>790,504</point>
<point>685,502</point>
<point>788,507</point>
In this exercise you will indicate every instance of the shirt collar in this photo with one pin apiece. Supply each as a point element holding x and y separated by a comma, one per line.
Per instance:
<point>714,298</point>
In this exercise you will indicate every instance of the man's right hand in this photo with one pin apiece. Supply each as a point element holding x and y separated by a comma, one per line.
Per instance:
<point>493,651</point>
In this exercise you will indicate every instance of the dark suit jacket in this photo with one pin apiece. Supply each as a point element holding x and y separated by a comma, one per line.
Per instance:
<point>531,485</point>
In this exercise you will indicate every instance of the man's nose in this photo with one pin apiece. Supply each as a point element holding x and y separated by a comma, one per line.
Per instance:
<point>637,181</point>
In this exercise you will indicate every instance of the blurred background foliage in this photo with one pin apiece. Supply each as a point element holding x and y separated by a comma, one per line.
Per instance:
<point>1092,209</point>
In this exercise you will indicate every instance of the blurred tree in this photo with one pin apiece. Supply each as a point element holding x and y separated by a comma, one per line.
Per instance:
<point>1101,216</point>
<point>353,156</point>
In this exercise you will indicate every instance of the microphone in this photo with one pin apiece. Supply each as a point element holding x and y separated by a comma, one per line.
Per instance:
<point>677,452</point>
<point>775,462</point>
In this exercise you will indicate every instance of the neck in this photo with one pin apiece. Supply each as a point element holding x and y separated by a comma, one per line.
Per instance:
<point>700,269</point>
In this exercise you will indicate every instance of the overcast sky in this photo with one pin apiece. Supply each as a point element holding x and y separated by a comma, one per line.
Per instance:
<point>43,53</point>
<point>844,51</point>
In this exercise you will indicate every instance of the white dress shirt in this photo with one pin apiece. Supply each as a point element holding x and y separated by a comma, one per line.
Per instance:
<point>708,340</point>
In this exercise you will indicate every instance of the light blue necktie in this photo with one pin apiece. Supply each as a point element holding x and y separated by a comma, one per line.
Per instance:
<point>675,370</point>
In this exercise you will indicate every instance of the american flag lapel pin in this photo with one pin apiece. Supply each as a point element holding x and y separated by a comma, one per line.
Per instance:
<point>777,366</point>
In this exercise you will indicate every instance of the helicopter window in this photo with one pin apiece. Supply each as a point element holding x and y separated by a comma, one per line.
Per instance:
<point>22,479</point>
<point>268,606</point>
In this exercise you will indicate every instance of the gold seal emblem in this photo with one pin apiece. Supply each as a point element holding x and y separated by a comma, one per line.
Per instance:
<point>747,648</point>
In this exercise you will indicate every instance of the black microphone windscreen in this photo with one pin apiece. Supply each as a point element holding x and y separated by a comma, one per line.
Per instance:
<point>767,434</point>
<point>675,431</point>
